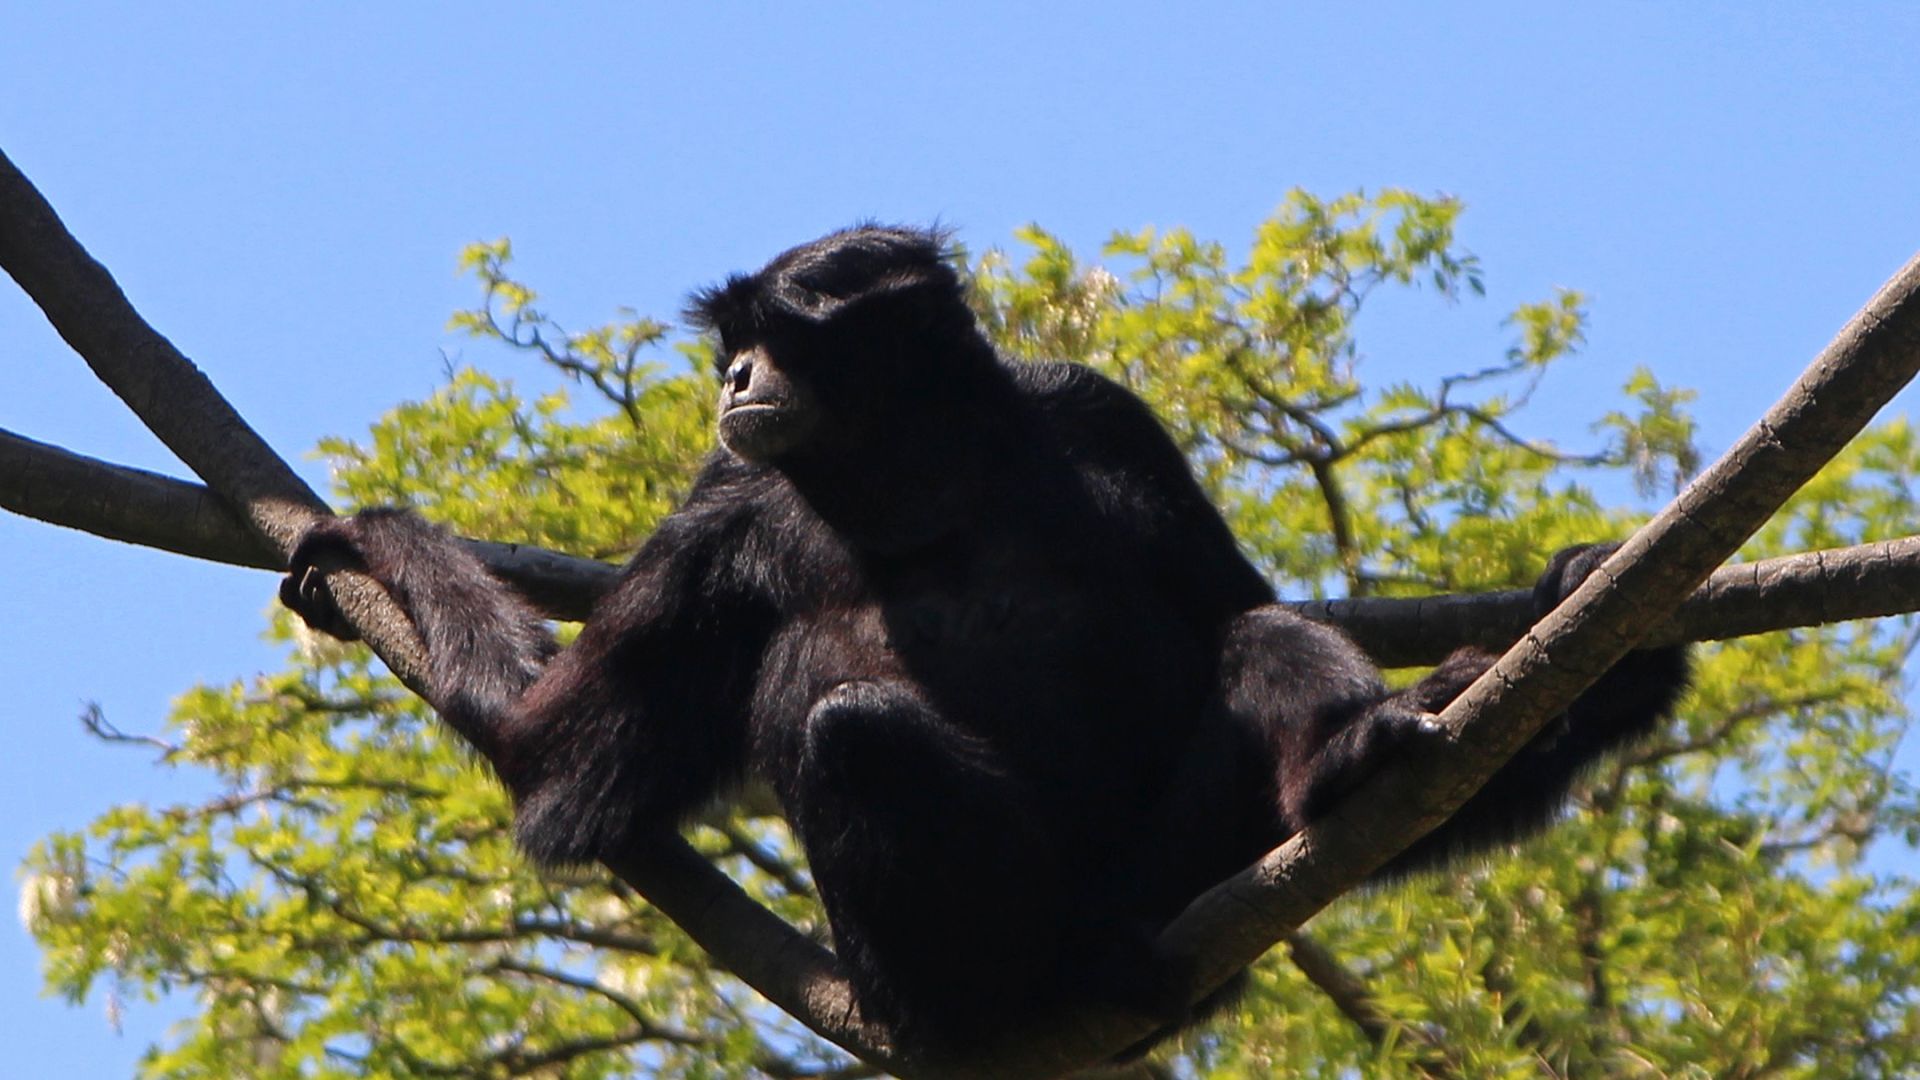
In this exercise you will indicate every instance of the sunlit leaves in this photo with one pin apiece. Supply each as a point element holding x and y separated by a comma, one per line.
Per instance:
<point>1657,442</point>
<point>1251,363</point>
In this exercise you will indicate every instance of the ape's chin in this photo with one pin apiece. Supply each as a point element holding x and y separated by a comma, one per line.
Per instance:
<point>762,432</point>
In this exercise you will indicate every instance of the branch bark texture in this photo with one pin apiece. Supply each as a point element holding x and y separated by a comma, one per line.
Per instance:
<point>1642,585</point>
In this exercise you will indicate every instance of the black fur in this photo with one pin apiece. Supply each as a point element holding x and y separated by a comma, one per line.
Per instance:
<point>1020,693</point>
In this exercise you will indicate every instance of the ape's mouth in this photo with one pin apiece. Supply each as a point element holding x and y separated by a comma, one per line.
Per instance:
<point>761,430</point>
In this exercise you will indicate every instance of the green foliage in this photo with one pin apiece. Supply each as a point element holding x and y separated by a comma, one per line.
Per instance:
<point>347,903</point>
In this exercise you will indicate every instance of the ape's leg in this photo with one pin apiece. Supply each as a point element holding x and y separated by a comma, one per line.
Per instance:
<point>1288,691</point>
<point>1317,707</point>
<point>1323,756</point>
<point>1527,793</point>
<point>946,897</point>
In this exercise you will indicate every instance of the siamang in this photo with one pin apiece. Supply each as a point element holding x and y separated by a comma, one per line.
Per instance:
<point>1018,691</point>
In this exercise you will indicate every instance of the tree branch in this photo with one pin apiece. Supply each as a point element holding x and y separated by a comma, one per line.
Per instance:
<point>1814,588</point>
<point>1350,995</point>
<point>120,503</point>
<point>1811,589</point>
<point>57,486</point>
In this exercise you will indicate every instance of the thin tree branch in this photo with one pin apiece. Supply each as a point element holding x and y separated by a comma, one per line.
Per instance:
<point>1350,995</point>
<point>650,1028</point>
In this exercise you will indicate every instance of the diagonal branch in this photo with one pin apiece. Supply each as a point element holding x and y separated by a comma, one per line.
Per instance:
<point>162,387</point>
<point>181,406</point>
<point>1875,354</point>
<point>1350,994</point>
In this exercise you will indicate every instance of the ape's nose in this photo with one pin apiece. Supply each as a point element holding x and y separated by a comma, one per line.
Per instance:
<point>740,376</point>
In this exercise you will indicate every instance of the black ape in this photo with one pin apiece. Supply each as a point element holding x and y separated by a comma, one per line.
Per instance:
<point>1019,692</point>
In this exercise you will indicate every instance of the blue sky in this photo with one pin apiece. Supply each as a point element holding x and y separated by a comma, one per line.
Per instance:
<point>283,194</point>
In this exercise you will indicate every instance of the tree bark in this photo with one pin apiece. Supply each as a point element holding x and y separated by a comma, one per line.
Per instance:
<point>1874,355</point>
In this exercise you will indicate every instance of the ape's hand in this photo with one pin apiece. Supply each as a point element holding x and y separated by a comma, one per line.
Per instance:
<point>1566,572</point>
<point>375,541</point>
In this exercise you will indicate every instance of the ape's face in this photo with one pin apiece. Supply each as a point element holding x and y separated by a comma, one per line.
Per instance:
<point>765,412</point>
<point>852,340</point>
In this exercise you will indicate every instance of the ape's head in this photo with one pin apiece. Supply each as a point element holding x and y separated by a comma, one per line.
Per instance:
<point>836,341</point>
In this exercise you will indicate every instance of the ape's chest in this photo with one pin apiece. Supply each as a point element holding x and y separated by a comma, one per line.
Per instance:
<point>984,603</point>
<point>1062,625</point>
<point>992,620</point>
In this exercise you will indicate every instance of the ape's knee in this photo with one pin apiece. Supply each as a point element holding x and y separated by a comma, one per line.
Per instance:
<point>855,712</point>
<point>867,732</point>
<point>1274,661</point>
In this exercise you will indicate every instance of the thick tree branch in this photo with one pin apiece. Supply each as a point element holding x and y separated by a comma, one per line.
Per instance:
<point>177,403</point>
<point>132,505</point>
<point>60,487</point>
<point>162,387</point>
<point>181,406</point>
<point>1811,589</point>
<point>1875,354</point>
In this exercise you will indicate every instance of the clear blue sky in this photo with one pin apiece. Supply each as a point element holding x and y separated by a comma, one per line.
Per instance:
<point>283,195</point>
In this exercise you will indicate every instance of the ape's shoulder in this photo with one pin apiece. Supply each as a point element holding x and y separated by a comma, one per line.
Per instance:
<point>1071,389</point>
<point>1100,424</point>
<point>746,534</point>
<point>1139,478</point>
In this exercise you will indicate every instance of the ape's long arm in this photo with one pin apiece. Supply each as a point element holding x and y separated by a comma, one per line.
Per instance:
<point>484,645</point>
<point>616,735</point>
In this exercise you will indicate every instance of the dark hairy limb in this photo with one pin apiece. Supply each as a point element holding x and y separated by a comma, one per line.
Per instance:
<point>911,823</point>
<point>1327,743</point>
<point>485,646</point>
<point>564,731</point>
